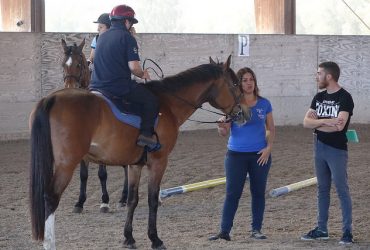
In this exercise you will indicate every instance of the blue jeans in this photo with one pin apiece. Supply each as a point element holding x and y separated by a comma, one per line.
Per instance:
<point>237,166</point>
<point>331,164</point>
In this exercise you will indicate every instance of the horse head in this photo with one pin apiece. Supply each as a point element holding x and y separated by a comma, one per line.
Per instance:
<point>228,94</point>
<point>75,68</point>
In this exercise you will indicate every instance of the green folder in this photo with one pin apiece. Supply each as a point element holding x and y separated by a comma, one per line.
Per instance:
<point>352,135</point>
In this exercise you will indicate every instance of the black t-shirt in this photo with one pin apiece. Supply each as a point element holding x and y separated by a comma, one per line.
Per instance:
<point>329,106</point>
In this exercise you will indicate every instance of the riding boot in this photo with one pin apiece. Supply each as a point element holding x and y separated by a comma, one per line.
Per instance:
<point>149,140</point>
<point>144,140</point>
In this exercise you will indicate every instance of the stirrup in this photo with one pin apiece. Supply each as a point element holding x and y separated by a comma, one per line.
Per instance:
<point>149,146</point>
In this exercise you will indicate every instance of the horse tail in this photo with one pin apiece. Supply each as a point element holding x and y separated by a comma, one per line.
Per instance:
<point>42,161</point>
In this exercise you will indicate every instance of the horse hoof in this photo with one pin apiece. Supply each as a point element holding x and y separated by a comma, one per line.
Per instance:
<point>77,210</point>
<point>104,208</point>
<point>158,245</point>
<point>122,204</point>
<point>161,247</point>
<point>129,245</point>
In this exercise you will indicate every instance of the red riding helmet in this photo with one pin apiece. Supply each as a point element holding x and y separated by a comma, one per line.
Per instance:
<point>123,11</point>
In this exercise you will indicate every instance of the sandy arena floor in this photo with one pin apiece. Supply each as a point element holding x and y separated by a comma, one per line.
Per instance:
<point>185,221</point>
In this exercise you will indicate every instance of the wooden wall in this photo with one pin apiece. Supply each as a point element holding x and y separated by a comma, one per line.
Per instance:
<point>285,67</point>
<point>14,11</point>
<point>22,15</point>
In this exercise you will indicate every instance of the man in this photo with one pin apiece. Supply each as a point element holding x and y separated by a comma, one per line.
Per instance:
<point>116,57</point>
<point>330,115</point>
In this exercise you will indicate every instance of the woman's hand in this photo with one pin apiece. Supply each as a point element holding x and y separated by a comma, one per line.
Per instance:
<point>223,126</point>
<point>265,155</point>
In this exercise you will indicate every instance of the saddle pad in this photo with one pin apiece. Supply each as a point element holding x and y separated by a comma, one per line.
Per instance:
<point>130,119</point>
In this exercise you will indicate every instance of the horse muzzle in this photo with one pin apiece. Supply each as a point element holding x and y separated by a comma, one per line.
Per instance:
<point>240,114</point>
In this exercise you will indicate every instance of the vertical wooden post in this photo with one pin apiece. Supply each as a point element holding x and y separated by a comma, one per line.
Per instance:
<point>38,15</point>
<point>275,16</point>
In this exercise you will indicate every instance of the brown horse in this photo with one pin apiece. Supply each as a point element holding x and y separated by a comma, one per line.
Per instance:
<point>72,124</point>
<point>75,67</point>
<point>76,74</point>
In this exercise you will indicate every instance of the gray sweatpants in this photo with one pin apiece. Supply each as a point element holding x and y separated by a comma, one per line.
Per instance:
<point>331,164</point>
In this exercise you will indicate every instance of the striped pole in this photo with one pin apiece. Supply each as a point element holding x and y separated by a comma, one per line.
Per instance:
<point>191,187</point>
<point>292,187</point>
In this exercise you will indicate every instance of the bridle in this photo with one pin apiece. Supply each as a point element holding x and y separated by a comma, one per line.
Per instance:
<point>229,116</point>
<point>234,117</point>
<point>79,65</point>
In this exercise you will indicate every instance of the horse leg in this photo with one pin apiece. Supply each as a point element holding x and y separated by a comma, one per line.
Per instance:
<point>102,173</point>
<point>84,173</point>
<point>155,177</point>
<point>134,174</point>
<point>123,200</point>
<point>60,180</point>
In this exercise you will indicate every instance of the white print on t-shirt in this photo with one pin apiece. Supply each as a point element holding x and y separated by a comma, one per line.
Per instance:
<point>327,109</point>
<point>260,114</point>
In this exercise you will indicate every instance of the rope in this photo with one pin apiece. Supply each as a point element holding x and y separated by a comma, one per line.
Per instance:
<point>349,7</point>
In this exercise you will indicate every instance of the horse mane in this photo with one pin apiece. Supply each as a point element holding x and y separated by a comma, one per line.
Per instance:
<point>201,73</point>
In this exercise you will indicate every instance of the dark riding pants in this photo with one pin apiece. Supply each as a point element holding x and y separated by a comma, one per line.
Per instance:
<point>237,166</point>
<point>149,107</point>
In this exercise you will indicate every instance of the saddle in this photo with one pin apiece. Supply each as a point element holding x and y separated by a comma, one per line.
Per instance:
<point>126,112</point>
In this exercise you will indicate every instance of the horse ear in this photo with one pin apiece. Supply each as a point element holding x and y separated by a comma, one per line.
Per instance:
<point>64,44</point>
<point>211,61</point>
<point>81,46</point>
<point>228,62</point>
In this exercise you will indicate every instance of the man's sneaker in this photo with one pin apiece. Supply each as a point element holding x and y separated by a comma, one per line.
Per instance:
<point>256,234</point>
<point>221,235</point>
<point>346,239</point>
<point>315,234</point>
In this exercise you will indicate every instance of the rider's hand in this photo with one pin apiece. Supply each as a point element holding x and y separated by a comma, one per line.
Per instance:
<point>146,75</point>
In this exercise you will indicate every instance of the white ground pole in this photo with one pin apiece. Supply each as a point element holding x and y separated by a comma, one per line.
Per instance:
<point>292,187</point>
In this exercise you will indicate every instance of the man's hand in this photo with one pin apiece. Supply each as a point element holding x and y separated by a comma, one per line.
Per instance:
<point>333,122</point>
<point>312,114</point>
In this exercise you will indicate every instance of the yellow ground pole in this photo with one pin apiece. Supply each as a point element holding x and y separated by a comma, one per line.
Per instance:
<point>191,187</point>
<point>204,184</point>
<point>292,187</point>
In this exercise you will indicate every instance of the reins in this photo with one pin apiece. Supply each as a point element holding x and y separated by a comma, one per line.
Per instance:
<point>160,69</point>
<point>161,76</point>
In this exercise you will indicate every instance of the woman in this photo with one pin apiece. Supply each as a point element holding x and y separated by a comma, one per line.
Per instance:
<point>249,153</point>
<point>103,25</point>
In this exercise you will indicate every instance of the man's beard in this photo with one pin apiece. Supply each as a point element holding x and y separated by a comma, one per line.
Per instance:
<point>323,85</point>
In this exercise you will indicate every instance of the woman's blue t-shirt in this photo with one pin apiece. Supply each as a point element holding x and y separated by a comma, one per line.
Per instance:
<point>251,137</point>
<point>93,43</point>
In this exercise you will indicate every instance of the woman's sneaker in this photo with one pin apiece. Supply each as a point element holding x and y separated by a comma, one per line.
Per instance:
<point>316,234</point>
<point>346,239</point>
<point>221,235</point>
<point>256,234</point>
